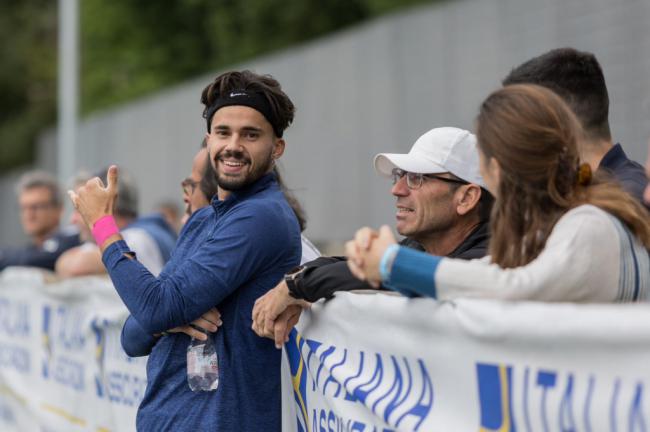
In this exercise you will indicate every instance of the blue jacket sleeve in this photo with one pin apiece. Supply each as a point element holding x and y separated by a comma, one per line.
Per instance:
<point>136,342</point>
<point>251,239</point>
<point>413,273</point>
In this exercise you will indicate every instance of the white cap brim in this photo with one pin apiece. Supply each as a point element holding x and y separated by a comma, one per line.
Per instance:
<point>385,162</point>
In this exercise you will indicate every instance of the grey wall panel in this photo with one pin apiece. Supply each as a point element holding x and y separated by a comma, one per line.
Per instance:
<point>377,87</point>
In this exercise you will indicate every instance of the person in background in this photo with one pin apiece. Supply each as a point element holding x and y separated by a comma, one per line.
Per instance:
<point>557,233</point>
<point>441,207</point>
<point>39,198</point>
<point>198,189</point>
<point>577,77</point>
<point>170,211</point>
<point>152,239</point>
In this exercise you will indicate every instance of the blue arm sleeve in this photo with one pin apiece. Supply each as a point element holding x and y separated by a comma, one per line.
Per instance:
<point>413,273</point>
<point>136,342</point>
<point>229,257</point>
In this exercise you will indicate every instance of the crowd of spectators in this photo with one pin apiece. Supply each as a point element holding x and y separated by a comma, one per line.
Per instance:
<point>540,204</point>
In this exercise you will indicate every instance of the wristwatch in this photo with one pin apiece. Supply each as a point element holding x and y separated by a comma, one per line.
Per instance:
<point>292,278</point>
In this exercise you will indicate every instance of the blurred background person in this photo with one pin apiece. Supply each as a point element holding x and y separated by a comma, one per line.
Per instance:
<point>556,233</point>
<point>199,187</point>
<point>171,212</point>
<point>41,208</point>
<point>150,237</point>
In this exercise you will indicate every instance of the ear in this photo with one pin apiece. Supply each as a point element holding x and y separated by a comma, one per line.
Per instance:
<point>468,197</point>
<point>278,148</point>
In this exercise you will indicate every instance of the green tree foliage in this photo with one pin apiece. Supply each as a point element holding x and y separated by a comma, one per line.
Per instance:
<point>133,47</point>
<point>27,77</point>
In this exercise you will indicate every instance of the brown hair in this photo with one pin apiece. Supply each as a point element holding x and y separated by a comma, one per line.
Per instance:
<point>533,135</point>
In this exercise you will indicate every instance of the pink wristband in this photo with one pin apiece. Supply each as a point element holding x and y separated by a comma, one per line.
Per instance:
<point>104,228</point>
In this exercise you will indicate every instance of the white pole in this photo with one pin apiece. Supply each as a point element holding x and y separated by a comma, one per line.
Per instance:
<point>68,69</point>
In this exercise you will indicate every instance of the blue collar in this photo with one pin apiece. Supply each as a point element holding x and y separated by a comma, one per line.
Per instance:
<point>264,182</point>
<point>613,158</point>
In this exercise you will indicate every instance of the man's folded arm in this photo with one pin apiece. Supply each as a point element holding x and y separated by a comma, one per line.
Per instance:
<point>218,267</point>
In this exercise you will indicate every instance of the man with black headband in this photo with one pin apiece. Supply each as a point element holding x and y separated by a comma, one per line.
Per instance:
<point>229,254</point>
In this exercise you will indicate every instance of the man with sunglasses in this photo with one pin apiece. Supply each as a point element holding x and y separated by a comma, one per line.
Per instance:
<point>441,208</point>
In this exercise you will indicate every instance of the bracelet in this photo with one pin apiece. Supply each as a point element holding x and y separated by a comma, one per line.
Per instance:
<point>104,228</point>
<point>386,263</point>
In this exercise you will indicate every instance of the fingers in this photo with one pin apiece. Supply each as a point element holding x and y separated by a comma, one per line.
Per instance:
<point>284,323</point>
<point>279,332</point>
<point>190,331</point>
<point>353,253</point>
<point>74,198</point>
<point>207,325</point>
<point>385,233</point>
<point>213,316</point>
<point>356,271</point>
<point>111,179</point>
<point>364,236</point>
<point>258,328</point>
<point>355,261</point>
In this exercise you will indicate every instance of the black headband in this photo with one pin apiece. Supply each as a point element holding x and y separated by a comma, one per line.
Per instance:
<point>254,100</point>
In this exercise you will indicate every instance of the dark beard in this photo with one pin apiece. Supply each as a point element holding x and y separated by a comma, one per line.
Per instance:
<point>233,184</point>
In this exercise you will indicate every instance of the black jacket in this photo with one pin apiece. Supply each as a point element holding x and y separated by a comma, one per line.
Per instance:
<point>326,275</point>
<point>44,256</point>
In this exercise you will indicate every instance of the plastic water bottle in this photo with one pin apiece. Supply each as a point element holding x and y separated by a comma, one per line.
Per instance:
<point>202,365</point>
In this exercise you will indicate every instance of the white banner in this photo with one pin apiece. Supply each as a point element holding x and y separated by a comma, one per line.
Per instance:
<point>384,363</point>
<point>357,363</point>
<point>62,367</point>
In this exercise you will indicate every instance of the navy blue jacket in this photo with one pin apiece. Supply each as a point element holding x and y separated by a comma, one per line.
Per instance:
<point>628,173</point>
<point>228,254</point>
<point>44,256</point>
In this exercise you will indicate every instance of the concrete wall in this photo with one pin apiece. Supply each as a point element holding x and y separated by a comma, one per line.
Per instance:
<point>377,87</point>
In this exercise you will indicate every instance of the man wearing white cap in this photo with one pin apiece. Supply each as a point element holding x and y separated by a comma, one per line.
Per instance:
<point>441,208</point>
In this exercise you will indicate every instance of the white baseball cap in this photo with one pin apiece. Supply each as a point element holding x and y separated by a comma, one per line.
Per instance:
<point>441,150</point>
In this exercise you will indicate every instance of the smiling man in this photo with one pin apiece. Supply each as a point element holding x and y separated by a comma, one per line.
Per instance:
<point>229,253</point>
<point>441,207</point>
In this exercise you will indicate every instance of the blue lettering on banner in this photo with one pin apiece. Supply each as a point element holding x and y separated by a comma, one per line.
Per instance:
<point>495,394</point>
<point>68,373</point>
<point>14,318</point>
<point>69,328</point>
<point>98,328</point>
<point>62,333</point>
<point>125,389</point>
<point>328,421</point>
<point>15,357</point>
<point>495,388</point>
<point>395,389</point>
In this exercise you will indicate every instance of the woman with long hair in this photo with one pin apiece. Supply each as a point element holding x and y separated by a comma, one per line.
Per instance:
<point>558,233</point>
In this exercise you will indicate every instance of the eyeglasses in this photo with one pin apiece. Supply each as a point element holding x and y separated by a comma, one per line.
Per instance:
<point>36,207</point>
<point>414,180</point>
<point>188,186</point>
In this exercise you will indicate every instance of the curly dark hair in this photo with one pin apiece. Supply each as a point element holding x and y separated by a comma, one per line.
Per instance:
<point>282,108</point>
